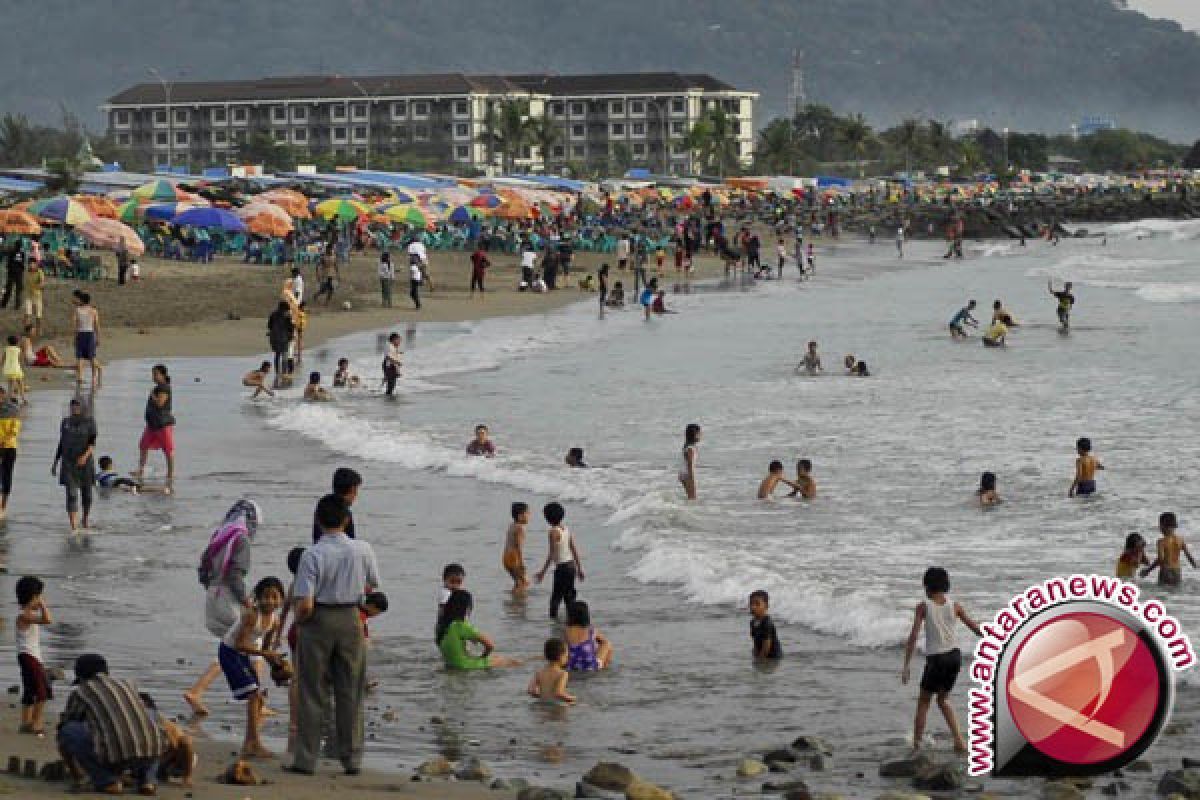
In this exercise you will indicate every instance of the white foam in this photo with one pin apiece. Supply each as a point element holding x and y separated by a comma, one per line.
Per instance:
<point>1170,292</point>
<point>1173,229</point>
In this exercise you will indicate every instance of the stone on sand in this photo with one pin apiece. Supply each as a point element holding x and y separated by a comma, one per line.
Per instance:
<point>610,775</point>
<point>750,768</point>
<point>436,767</point>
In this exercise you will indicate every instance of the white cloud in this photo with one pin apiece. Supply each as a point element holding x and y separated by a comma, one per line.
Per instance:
<point>1185,12</point>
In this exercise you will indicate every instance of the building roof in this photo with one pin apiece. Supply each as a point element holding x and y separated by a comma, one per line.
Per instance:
<point>321,86</point>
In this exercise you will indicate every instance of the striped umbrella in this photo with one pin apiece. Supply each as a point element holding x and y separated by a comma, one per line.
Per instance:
<point>341,208</point>
<point>463,215</point>
<point>98,205</point>
<point>19,222</point>
<point>486,200</point>
<point>209,218</point>
<point>409,215</point>
<point>62,210</point>
<point>157,190</point>
<point>289,200</point>
<point>106,233</point>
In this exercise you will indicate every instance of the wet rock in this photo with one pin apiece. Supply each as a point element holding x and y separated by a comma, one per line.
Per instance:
<point>587,790</point>
<point>784,755</point>
<point>1141,765</point>
<point>749,768</point>
<point>436,767</point>
<point>812,744</point>
<point>940,777</point>
<point>1185,782</point>
<point>1057,790</point>
<point>905,767</point>
<point>644,790</point>
<point>798,794</point>
<point>784,786</point>
<point>541,793</point>
<point>818,762</point>
<point>472,769</point>
<point>779,766</point>
<point>609,775</point>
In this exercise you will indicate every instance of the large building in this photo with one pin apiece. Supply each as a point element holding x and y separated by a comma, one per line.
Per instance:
<point>640,118</point>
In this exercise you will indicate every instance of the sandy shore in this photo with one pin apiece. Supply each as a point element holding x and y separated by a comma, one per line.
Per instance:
<point>182,309</point>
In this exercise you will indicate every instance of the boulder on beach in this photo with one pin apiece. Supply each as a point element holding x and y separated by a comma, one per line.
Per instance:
<point>750,768</point>
<point>784,755</point>
<point>905,767</point>
<point>610,775</point>
<point>644,790</point>
<point>806,744</point>
<point>436,767</point>
<point>940,777</point>
<point>782,787</point>
<point>472,769</point>
<point>1184,782</point>
<point>542,793</point>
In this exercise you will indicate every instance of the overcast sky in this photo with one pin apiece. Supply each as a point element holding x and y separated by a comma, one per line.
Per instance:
<point>1186,12</point>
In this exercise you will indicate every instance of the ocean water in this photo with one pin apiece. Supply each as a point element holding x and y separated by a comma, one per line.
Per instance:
<point>897,457</point>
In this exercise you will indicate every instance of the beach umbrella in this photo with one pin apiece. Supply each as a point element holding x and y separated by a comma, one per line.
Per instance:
<point>106,233</point>
<point>290,200</point>
<point>18,222</point>
<point>162,212</point>
<point>253,210</point>
<point>62,210</point>
<point>97,205</point>
<point>462,215</point>
<point>409,215</point>
<point>513,210</point>
<point>397,196</point>
<point>209,218</point>
<point>341,208</point>
<point>486,200</point>
<point>157,190</point>
<point>268,225</point>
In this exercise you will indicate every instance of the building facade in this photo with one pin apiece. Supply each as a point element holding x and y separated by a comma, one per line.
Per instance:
<point>602,121</point>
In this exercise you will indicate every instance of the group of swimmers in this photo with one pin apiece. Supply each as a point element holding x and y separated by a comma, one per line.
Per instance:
<point>1002,321</point>
<point>343,378</point>
<point>811,364</point>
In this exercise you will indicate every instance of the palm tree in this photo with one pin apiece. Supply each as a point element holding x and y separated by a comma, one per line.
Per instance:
<point>512,130</point>
<point>713,141</point>
<point>17,144</point>
<point>544,133</point>
<point>622,158</point>
<point>65,175</point>
<point>776,150</point>
<point>855,134</point>
<point>910,138</point>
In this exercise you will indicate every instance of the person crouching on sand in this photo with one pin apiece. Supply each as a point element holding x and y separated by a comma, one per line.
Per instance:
<point>256,379</point>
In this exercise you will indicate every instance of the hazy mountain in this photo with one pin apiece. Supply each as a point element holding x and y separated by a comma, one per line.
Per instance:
<point>1018,63</point>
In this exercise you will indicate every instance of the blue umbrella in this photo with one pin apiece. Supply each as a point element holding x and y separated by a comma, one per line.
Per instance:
<point>163,212</point>
<point>460,216</point>
<point>209,218</point>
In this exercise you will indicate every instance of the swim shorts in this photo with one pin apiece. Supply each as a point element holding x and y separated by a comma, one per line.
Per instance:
<point>85,345</point>
<point>239,672</point>
<point>941,671</point>
<point>161,439</point>
<point>1086,488</point>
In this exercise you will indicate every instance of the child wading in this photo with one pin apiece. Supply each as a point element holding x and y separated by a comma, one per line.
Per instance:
<point>35,686</point>
<point>943,659</point>
<point>257,625</point>
<point>563,556</point>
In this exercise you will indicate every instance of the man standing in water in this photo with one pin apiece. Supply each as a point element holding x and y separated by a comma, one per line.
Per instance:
<point>87,337</point>
<point>1065,302</point>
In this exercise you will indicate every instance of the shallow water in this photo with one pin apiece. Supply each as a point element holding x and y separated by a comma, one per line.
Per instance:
<point>896,457</point>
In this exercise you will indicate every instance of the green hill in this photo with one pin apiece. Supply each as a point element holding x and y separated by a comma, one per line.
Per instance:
<point>1031,64</point>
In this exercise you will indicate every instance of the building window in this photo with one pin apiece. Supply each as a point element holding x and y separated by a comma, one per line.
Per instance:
<point>338,111</point>
<point>576,109</point>
<point>218,115</point>
<point>735,106</point>
<point>181,137</point>
<point>339,134</point>
<point>616,107</point>
<point>460,107</point>
<point>677,129</point>
<point>239,115</point>
<point>279,113</point>
<point>300,135</point>
<point>359,110</point>
<point>420,109</point>
<point>360,132</point>
<point>559,151</point>
<point>122,117</point>
<point>556,109</point>
<point>618,129</point>
<point>639,129</point>
<point>637,107</point>
<point>299,113</point>
<point>400,133</point>
<point>123,139</point>
<point>577,131</point>
<point>160,118</point>
<point>462,152</point>
<point>181,117</point>
<point>420,133</point>
<point>678,106</point>
<point>219,137</point>
<point>399,109</point>
<point>639,150</point>
<point>239,137</point>
<point>577,151</point>
<point>461,129</point>
<point>280,135</point>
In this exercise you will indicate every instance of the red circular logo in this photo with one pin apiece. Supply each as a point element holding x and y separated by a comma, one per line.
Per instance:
<point>1083,688</point>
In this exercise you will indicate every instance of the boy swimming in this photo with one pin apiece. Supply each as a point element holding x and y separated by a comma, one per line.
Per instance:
<point>995,335</point>
<point>1169,547</point>
<point>805,485</point>
<point>963,317</point>
<point>1086,465</point>
<point>774,477</point>
<point>1132,557</point>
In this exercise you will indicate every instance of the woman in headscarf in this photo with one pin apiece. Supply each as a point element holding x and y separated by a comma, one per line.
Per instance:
<point>222,572</point>
<point>76,448</point>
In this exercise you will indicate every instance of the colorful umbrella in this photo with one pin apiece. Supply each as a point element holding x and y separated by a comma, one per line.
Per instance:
<point>97,206</point>
<point>209,218</point>
<point>62,210</point>
<point>269,225</point>
<point>409,215</point>
<point>106,233</point>
<point>252,210</point>
<point>289,200</point>
<point>341,209</point>
<point>162,212</point>
<point>486,200</point>
<point>19,222</point>
<point>463,215</point>
<point>157,190</point>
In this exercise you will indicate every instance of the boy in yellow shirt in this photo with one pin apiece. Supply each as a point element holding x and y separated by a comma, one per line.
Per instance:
<point>10,431</point>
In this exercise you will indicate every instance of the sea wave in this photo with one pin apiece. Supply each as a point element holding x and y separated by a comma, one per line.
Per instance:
<point>1173,229</point>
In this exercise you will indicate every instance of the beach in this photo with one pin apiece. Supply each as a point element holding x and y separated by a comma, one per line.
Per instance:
<point>896,458</point>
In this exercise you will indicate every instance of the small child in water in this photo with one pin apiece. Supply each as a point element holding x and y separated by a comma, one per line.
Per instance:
<point>943,660</point>
<point>107,477</point>
<point>762,629</point>
<point>1169,548</point>
<point>550,682</point>
<point>987,490</point>
<point>1086,465</point>
<point>774,477</point>
<point>342,379</point>
<point>453,578</point>
<point>812,361</point>
<point>256,379</point>
<point>1132,557</point>
<point>514,543</point>
<point>805,485</point>
<point>314,391</point>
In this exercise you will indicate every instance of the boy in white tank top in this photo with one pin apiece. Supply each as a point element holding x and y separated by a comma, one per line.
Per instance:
<point>563,556</point>
<point>943,659</point>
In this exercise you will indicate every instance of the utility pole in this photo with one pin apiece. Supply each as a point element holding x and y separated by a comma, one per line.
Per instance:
<point>797,99</point>
<point>170,117</point>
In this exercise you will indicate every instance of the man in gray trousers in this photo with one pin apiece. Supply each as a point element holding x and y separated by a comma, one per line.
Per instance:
<point>331,580</point>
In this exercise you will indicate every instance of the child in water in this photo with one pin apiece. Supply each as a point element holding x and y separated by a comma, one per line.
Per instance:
<point>1170,546</point>
<point>256,379</point>
<point>774,477</point>
<point>248,638</point>
<point>811,364</point>
<point>762,628</point>
<point>938,614</point>
<point>1086,465</point>
<point>550,682</point>
<point>514,543</point>
<point>342,379</point>
<point>1133,556</point>
<point>805,485</point>
<point>314,391</point>
<point>987,491</point>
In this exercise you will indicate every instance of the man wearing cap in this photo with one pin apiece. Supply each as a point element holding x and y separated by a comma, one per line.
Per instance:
<point>331,580</point>
<point>106,730</point>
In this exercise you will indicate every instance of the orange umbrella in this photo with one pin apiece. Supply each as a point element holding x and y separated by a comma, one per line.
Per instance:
<point>106,233</point>
<point>97,206</point>
<point>268,225</point>
<point>513,210</point>
<point>252,210</point>
<point>289,200</point>
<point>18,222</point>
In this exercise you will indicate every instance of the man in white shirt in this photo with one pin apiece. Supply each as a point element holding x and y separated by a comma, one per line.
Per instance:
<point>333,576</point>
<point>297,286</point>
<point>417,254</point>
<point>623,252</point>
<point>414,282</point>
<point>387,276</point>
<point>528,265</point>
